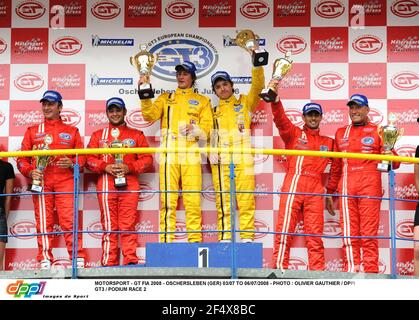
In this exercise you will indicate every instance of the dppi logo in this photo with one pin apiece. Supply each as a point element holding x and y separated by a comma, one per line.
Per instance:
<point>27,290</point>
<point>295,117</point>
<point>329,81</point>
<point>329,9</point>
<point>22,228</point>
<point>404,229</point>
<point>405,81</point>
<point>67,46</point>
<point>29,82</point>
<point>176,51</point>
<point>146,192</point>
<point>297,264</point>
<point>70,117</point>
<point>294,44</point>
<point>30,10</point>
<point>254,9</point>
<point>208,193</point>
<point>180,227</point>
<point>3,45</point>
<point>136,120</point>
<point>94,230</point>
<point>405,8</point>
<point>406,151</point>
<point>180,10</point>
<point>367,44</point>
<point>375,116</point>
<point>106,10</point>
<point>332,228</point>
<point>261,226</point>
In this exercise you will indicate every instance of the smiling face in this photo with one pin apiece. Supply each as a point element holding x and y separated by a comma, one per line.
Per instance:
<point>312,119</point>
<point>223,89</point>
<point>184,79</point>
<point>116,115</point>
<point>51,110</point>
<point>358,114</point>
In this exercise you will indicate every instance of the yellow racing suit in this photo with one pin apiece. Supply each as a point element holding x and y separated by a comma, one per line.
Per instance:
<point>232,119</point>
<point>182,107</point>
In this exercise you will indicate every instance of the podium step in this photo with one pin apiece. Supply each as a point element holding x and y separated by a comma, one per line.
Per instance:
<point>203,255</point>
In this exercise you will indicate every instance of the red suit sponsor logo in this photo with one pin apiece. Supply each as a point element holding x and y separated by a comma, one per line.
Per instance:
<point>95,230</point>
<point>294,44</point>
<point>406,81</point>
<point>180,10</point>
<point>405,8</point>
<point>254,9</point>
<point>67,46</point>
<point>329,81</point>
<point>145,196</point>
<point>295,117</point>
<point>261,226</point>
<point>375,116</point>
<point>404,229</point>
<point>30,10</point>
<point>23,227</point>
<point>367,44</point>
<point>106,10</point>
<point>70,117</point>
<point>329,9</point>
<point>3,45</point>
<point>136,120</point>
<point>29,82</point>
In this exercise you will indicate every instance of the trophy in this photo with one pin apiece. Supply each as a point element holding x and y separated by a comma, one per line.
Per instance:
<point>120,180</point>
<point>144,61</point>
<point>41,163</point>
<point>280,68</point>
<point>389,135</point>
<point>247,40</point>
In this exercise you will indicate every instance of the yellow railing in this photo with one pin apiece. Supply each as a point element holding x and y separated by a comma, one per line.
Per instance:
<point>325,154</point>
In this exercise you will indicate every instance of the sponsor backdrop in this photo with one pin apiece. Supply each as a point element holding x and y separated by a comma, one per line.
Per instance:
<point>339,47</point>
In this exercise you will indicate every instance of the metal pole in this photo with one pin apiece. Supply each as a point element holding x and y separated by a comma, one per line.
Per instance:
<point>392,185</point>
<point>75,218</point>
<point>233,220</point>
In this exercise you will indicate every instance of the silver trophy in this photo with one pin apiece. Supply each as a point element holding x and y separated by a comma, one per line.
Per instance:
<point>389,135</point>
<point>120,180</point>
<point>281,67</point>
<point>247,40</point>
<point>144,62</point>
<point>41,163</point>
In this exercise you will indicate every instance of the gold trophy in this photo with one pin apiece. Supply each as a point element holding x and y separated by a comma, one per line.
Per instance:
<point>389,135</point>
<point>247,40</point>
<point>144,62</point>
<point>41,163</point>
<point>119,181</point>
<point>281,67</point>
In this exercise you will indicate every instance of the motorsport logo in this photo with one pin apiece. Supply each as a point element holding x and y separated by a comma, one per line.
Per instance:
<point>3,45</point>
<point>231,42</point>
<point>292,43</point>
<point>99,42</point>
<point>98,81</point>
<point>370,80</point>
<point>405,8</point>
<point>27,290</point>
<point>175,48</point>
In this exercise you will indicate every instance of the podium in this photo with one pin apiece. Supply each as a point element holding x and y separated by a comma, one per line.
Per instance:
<point>203,255</point>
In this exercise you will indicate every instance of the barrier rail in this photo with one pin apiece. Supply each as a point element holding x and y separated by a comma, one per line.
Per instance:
<point>392,199</point>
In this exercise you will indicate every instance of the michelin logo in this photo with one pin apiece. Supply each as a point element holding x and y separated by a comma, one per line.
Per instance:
<point>97,81</point>
<point>230,42</point>
<point>244,80</point>
<point>97,42</point>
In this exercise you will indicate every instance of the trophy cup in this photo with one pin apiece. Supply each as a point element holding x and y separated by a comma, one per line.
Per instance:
<point>119,181</point>
<point>247,40</point>
<point>144,61</point>
<point>41,163</point>
<point>389,135</point>
<point>280,69</point>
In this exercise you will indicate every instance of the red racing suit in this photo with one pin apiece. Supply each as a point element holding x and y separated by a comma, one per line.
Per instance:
<point>304,175</point>
<point>55,180</point>
<point>118,210</point>
<point>358,177</point>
